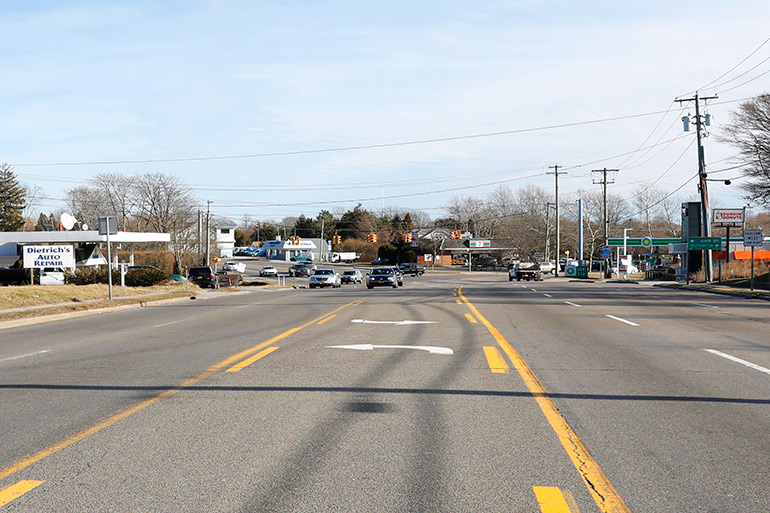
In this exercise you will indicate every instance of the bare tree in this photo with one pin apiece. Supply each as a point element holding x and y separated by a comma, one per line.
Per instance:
<point>86,204</point>
<point>749,131</point>
<point>116,193</point>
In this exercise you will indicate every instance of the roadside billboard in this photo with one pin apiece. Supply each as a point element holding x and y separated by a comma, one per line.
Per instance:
<point>725,216</point>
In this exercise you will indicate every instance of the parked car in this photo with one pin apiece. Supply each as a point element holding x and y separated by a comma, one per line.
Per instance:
<point>229,278</point>
<point>548,267</point>
<point>352,276</point>
<point>203,276</point>
<point>381,277</point>
<point>268,270</point>
<point>412,269</point>
<point>132,267</point>
<point>324,277</point>
<point>380,261</point>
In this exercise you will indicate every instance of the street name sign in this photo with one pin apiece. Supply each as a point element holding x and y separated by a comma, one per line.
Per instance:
<point>700,243</point>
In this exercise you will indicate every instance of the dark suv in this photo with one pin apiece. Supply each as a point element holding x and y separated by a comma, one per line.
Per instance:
<point>302,269</point>
<point>412,268</point>
<point>203,276</point>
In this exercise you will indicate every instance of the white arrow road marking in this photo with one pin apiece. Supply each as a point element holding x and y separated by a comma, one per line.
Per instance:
<point>621,320</point>
<point>397,323</point>
<point>370,347</point>
<point>738,360</point>
<point>24,355</point>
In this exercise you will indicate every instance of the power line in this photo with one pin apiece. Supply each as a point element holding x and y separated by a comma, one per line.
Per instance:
<point>344,148</point>
<point>733,68</point>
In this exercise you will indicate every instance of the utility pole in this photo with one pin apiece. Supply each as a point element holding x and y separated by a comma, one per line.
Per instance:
<point>548,206</point>
<point>605,219</point>
<point>704,195</point>
<point>200,230</point>
<point>208,237</point>
<point>556,174</point>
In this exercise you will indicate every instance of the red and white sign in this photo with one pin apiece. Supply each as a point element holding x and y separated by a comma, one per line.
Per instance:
<point>728,215</point>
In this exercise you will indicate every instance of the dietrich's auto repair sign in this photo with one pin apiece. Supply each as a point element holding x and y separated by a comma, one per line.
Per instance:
<point>728,216</point>
<point>59,255</point>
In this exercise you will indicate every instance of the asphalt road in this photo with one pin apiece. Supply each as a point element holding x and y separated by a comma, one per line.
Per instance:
<point>551,396</point>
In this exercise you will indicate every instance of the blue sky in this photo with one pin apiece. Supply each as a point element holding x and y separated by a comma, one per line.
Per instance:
<point>106,81</point>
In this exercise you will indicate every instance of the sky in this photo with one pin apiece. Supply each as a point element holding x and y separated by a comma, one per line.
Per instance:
<point>271,109</point>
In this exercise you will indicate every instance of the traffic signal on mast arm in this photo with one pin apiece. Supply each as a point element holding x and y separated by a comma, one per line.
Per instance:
<point>456,234</point>
<point>336,239</point>
<point>372,237</point>
<point>407,237</point>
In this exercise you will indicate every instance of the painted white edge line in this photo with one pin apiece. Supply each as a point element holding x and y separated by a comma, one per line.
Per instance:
<point>738,360</point>
<point>250,304</point>
<point>621,320</point>
<point>705,305</point>
<point>573,304</point>
<point>166,324</point>
<point>24,355</point>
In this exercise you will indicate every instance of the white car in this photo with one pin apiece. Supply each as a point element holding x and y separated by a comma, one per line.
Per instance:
<point>323,277</point>
<point>238,267</point>
<point>352,276</point>
<point>268,270</point>
<point>548,267</point>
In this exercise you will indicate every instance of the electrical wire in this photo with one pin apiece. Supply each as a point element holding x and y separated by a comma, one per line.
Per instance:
<point>734,67</point>
<point>746,82</point>
<point>344,148</point>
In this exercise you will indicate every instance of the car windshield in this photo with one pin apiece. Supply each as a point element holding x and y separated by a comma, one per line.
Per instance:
<point>382,271</point>
<point>323,271</point>
<point>349,273</point>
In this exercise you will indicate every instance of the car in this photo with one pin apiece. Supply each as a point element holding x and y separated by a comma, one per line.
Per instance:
<point>381,277</point>
<point>229,278</point>
<point>238,267</point>
<point>302,269</point>
<point>352,276</point>
<point>399,276</point>
<point>323,277</point>
<point>203,276</point>
<point>413,269</point>
<point>268,270</point>
<point>380,261</point>
<point>548,267</point>
<point>525,271</point>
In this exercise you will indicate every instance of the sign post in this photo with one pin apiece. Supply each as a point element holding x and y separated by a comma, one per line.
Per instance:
<point>108,225</point>
<point>752,238</point>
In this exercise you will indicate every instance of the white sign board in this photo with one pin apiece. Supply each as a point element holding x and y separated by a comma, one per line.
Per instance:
<point>427,257</point>
<point>727,216</point>
<point>752,238</point>
<point>38,257</point>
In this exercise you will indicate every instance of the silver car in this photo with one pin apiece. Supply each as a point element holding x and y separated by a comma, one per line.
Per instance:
<point>324,277</point>
<point>352,276</point>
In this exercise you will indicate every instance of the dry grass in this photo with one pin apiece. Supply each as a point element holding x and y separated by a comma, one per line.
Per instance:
<point>34,301</point>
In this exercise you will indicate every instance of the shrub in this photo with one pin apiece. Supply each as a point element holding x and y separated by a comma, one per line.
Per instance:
<point>145,277</point>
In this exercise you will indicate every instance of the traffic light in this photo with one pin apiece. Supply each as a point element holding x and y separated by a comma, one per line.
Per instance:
<point>336,239</point>
<point>372,237</point>
<point>456,234</point>
<point>407,237</point>
<point>294,240</point>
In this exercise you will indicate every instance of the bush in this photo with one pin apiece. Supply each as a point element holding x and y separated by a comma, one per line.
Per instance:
<point>145,277</point>
<point>86,276</point>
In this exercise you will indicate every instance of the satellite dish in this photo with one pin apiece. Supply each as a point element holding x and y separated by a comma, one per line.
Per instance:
<point>67,221</point>
<point>84,226</point>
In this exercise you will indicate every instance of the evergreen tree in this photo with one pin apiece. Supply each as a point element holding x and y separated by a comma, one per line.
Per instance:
<point>12,200</point>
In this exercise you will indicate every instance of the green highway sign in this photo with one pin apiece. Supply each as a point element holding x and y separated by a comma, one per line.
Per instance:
<point>697,243</point>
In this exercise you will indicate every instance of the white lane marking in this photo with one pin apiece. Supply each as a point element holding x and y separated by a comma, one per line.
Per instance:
<point>397,323</point>
<point>738,360</point>
<point>252,304</point>
<point>705,305</point>
<point>370,347</point>
<point>574,304</point>
<point>621,320</point>
<point>24,355</point>
<point>547,295</point>
<point>534,290</point>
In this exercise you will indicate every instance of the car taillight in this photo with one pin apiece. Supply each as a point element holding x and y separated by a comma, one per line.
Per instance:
<point>212,276</point>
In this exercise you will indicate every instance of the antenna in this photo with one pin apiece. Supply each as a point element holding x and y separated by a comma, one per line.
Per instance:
<point>67,221</point>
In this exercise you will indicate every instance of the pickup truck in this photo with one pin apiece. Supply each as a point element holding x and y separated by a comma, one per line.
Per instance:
<point>529,271</point>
